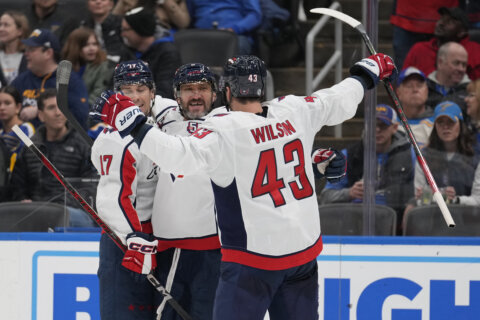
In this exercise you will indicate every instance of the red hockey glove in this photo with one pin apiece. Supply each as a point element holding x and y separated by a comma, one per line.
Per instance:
<point>118,111</point>
<point>375,68</point>
<point>329,163</point>
<point>140,254</point>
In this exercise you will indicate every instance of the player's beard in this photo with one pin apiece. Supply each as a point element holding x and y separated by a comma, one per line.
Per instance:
<point>196,114</point>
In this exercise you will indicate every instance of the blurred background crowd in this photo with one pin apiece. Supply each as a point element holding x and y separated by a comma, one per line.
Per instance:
<point>435,47</point>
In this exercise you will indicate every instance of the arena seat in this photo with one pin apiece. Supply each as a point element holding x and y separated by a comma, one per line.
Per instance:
<point>428,221</point>
<point>213,47</point>
<point>208,46</point>
<point>32,216</point>
<point>347,219</point>
<point>77,6</point>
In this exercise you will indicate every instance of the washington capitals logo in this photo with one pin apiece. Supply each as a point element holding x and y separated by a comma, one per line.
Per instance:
<point>192,127</point>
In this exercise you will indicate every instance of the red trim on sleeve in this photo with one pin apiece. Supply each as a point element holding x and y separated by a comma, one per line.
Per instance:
<point>128,174</point>
<point>273,263</point>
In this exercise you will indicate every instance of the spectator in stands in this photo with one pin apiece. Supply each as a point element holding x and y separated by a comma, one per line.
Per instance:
<point>89,61</point>
<point>473,102</point>
<point>241,17</point>
<point>67,151</point>
<point>279,32</point>
<point>449,81</point>
<point>10,105</point>
<point>474,198</point>
<point>42,52</point>
<point>138,29</point>
<point>123,6</point>
<point>449,155</point>
<point>48,14</point>
<point>412,91</point>
<point>452,26</point>
<point>171,14</point>
<point>395,167</point>
<point>472,8</point>
<point>414,21</point>
<point>13,28</point>
<point>473,112</point>
<point>106,25</point>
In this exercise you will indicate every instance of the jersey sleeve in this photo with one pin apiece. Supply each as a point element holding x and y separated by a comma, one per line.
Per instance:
<point>325,107</point>
<point>116,192</point>
<point>334,105</point>
<point>186,155</point>
<point>165,110</point>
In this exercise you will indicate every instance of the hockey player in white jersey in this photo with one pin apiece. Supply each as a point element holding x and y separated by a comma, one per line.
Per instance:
<point>184,208</point>
<point>258,161</point>
<point>124,201</point>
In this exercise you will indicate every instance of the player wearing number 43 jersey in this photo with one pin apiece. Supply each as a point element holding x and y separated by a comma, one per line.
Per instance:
<point>258,161</point>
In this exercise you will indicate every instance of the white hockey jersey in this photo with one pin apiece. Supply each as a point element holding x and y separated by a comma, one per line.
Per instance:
<point>127,184</point>
<point>184,208</point>
<point>261,173</point>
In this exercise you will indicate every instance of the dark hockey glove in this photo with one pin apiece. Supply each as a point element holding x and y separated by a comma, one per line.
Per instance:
<point>140,254</point>
<point>118,111</point>
<point>374,68</point>
<point>329,163</point>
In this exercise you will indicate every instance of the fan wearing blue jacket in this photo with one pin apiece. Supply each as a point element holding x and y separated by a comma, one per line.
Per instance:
<point>241,17</point>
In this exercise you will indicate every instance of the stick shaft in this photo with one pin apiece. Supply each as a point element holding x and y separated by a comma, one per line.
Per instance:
<point>58,175</point>
<point>63,78</point>
<point>53,170</point>
<point>388,86</point>
<point>421,160</point>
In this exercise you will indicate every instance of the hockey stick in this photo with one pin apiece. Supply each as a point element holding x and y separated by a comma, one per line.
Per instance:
<point>388,86</point>
<point>63,78</point>
<point>158,286</point>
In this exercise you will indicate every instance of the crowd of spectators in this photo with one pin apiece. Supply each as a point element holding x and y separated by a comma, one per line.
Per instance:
<point>450,155</point>
<point>34,38</point>
<point>438,60</point>
<point>13,28</point>
<point>439,89</point>
<point>395,167</point>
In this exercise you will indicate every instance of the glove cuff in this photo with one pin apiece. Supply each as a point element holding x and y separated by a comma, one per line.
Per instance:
<point>128,119</point>
<point>366,78</point>
<point>143,235</point>
<point>139,132</point>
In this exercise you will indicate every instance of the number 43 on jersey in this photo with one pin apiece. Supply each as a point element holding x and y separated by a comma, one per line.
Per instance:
<point>266,179</point>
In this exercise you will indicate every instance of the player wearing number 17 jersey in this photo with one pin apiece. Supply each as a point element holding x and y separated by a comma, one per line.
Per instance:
<point>124,201</point>
<point>258,159</point>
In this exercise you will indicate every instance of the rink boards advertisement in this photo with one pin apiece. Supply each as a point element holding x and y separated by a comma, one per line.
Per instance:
<point>53,276</point>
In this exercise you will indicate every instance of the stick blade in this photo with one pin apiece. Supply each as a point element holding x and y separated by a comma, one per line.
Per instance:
<point>444,209</point>
<point>63,72</point>
<point>337,14</point>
